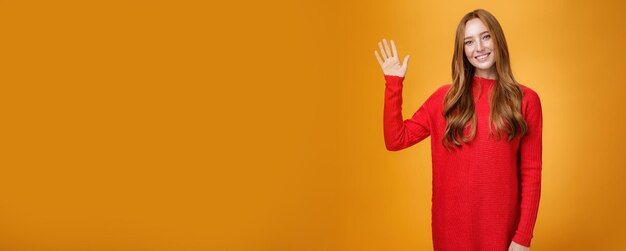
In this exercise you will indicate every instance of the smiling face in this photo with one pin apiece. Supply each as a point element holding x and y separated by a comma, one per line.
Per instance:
<point>479,48</point>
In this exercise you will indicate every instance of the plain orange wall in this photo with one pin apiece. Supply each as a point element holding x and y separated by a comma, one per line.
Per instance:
<point>257,125</point>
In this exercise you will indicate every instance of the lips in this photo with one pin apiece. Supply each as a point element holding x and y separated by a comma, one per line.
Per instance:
<point>482,57</point>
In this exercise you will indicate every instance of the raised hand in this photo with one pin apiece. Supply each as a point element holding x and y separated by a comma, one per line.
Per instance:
<point>390,61</point>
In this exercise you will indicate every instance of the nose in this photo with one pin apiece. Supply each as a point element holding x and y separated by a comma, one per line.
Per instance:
<point>479,46</point>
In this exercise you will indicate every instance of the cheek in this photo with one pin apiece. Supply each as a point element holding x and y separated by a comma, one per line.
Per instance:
<point>489,44</point>
<point>468,52</point>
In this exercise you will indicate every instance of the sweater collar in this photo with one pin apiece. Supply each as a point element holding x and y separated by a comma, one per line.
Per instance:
<point>481,85</point>
<point>482,80</point>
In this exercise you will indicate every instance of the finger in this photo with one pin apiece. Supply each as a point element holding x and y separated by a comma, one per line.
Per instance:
<point>380,45</point>
<point>380,61</point>
<point>387,48</point>
<point>393,49</point>
<point>406,60</point>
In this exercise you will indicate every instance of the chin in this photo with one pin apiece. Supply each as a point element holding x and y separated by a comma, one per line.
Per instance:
<point>484,66</point>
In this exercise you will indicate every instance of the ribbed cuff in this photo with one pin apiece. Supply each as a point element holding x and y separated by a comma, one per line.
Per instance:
<point>522,239</point>
<point>393,80</point>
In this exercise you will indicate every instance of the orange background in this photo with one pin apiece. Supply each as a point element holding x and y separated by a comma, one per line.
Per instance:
<point>257,125</point>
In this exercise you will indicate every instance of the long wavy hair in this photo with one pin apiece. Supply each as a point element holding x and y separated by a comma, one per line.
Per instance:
<point>505,99</point>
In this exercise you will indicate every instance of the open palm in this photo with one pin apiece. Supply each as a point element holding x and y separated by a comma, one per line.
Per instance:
<point>390,61</point>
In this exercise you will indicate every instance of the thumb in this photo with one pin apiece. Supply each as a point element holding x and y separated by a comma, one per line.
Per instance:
<point>406,60</point>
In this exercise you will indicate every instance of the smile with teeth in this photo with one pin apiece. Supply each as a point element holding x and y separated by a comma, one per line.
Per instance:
<point>482,57</point>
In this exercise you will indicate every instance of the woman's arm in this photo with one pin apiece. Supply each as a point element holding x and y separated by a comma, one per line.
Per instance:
<point>530,167</point>
<point>399,134</point>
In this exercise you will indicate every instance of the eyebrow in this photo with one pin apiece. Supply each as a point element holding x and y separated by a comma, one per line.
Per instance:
<point>478,34</point>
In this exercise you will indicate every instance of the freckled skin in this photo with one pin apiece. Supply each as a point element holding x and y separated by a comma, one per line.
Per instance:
<point>477,42</point>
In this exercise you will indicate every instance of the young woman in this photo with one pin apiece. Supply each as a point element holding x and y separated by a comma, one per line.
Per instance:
<point>485,131</point>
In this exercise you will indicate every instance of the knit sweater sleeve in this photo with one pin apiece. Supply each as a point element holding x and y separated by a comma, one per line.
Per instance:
<point>399,133</point>
<point>530,163</point>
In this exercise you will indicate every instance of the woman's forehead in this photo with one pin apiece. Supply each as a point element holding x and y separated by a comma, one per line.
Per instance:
<point>474,27</point>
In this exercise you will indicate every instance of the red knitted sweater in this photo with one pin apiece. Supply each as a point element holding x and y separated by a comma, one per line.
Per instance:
<point>485,194</point>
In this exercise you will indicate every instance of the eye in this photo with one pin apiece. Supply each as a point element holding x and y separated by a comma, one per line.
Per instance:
<point>487,36</point>
<point>468,42</point>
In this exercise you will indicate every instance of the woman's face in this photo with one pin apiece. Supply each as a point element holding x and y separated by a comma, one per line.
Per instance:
<point>479,48</point>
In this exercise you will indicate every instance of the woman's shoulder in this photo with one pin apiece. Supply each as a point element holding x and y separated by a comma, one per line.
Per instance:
<point>439,92</point>
<point>436,98</point>
<point>530,99</point>
<point>442,90</point>
<point>528,94</point>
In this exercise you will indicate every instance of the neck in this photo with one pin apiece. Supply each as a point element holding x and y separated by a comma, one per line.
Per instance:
<point>490,74</point>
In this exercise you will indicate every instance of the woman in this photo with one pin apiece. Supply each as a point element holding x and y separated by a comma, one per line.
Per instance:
<point>485,131</point>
